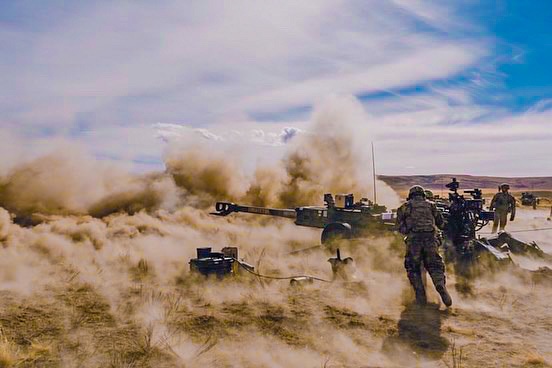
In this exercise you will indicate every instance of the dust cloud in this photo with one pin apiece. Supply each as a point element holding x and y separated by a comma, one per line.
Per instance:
<point>333,158</point>
<point>94,270</point>
<point>70,182</point>
<point>330,159</point>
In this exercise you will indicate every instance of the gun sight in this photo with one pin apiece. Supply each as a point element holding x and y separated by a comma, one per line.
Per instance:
<point>453,185</point>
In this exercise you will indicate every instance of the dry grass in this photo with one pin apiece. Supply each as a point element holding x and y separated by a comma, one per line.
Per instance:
<point>76,326</point>
<point>461,331</point>
<point>457,355</point>
<point>9,353</point>
<point>33,330</point>
<point>343,317</point>
<point>535,359</point>
<point>79,325</point>
<point>130,308</point>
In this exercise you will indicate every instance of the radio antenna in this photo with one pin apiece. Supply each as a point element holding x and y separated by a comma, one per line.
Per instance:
<point>374,173</point>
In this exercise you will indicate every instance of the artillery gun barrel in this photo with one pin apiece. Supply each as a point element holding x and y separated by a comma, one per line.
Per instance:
<point>226,208</point>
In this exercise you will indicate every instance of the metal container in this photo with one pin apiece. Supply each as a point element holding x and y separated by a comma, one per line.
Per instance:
<point>203,252</point>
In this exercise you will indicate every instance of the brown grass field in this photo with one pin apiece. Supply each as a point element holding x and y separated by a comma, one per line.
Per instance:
<point>84,292</point>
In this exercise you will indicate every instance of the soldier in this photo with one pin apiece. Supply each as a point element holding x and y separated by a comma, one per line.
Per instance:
<point>429,195</point>
<point>503,203</point>
<point>418,219</point>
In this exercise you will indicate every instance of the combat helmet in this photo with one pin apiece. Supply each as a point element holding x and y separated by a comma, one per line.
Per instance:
<point>416,190</point>
<point>429,194</point>
<point>504,185</point>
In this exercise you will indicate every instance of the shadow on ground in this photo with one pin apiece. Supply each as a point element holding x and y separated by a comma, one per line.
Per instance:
<point>418,336</point>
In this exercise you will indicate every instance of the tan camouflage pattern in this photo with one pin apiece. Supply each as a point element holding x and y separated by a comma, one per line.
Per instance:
<point>418,215</point>
<point>502,203</point>
<point>417,219</point>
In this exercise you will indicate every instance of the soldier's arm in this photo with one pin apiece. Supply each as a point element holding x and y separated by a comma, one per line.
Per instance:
<point>438,216</point>
<point>401,224</point>
<point>512,208</point>
<point>492,205</point>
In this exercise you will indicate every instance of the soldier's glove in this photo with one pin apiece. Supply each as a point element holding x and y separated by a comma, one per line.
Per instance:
<point>512,217</point>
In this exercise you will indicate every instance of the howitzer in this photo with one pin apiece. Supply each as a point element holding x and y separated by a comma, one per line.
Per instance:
<point>464,217</point>
<point>529,199</point>
<point>340,218</point>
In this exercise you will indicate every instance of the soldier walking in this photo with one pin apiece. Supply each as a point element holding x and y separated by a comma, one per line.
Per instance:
<point>418,219</point>
<point>503,203</point>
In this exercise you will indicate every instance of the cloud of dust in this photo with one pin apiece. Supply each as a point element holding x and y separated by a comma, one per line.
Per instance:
<point>141,260</point>
<point>69,182</point>
<point>331,158</point>
<point>138,263</point>
<point>334,157</point>
<point>5,224</point>
<point>130,238</point>
<point>122,235</point>
<point>328,159</point>
<point>205,176</point>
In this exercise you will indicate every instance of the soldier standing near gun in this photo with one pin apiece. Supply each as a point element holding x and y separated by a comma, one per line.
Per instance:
<point>503,203</point>
<point>418,219</point>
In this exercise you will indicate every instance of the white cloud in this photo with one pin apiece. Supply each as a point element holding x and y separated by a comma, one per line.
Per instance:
<point>200,61</point>
<point>175,133</point>
<point>445,139</point>
<point>412,68</point>
<point>169,132</point>
<point>434,13</point>
<point>117,68</point>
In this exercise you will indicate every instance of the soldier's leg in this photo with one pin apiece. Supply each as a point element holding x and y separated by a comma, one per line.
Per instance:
<point>503,219</point>
<point>495,221</point>
<point>436,268</point>
<point>412,264</point>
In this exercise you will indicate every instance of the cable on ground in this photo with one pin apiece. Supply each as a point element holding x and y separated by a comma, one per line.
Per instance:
<point>279,277</point>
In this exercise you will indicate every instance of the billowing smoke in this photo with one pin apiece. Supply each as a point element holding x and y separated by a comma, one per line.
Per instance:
<point>331,158</point>
<point>70,182</point>
<point>5,224</point>
<point>205,176</point>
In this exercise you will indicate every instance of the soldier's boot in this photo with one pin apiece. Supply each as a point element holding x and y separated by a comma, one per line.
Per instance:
<point>419,290</point>
<point>421,298</point>
<point>445,296</point>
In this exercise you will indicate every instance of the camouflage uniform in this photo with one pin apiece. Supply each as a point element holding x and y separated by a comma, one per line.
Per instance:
<point>502,204</point>
<point>417,219</point>
<point>429,195</point>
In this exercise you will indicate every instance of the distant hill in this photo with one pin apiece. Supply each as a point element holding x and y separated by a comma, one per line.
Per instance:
<point>467,181</point>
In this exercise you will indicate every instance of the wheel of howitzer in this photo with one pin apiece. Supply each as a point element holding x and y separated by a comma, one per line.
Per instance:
<point>336,231</point>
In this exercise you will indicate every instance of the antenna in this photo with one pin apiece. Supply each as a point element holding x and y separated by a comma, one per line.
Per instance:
<point>374,173</point>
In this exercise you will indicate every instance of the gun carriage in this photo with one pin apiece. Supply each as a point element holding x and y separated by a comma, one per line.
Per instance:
<point>464,216</point>
<point>340,218</point>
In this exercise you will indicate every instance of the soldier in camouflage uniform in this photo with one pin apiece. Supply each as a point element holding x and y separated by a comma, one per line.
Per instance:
<point>418,219</point>
<point>503,203</point>
<point>429,195</point>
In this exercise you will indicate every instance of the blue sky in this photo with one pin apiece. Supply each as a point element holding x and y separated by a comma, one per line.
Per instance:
<point>523,49</point>
<point>124,79</point>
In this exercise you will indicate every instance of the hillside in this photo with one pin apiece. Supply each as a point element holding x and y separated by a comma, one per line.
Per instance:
<point>438,181</point>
